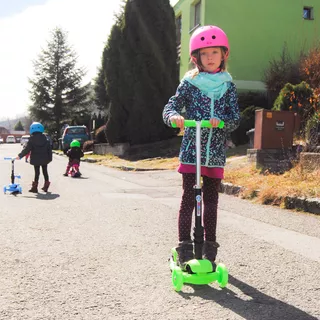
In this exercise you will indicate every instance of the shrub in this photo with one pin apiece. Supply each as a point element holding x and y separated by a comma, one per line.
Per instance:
<point>310,67</point>
<point>88,146</point>
<point>281,71</point>
<point>299,98</point>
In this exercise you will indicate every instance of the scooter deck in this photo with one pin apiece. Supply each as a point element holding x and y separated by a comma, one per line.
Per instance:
<point>200,272</point>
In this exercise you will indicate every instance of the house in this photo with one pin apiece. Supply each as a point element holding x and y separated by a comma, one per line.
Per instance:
<point>5,132</point>
<point>257,32</point>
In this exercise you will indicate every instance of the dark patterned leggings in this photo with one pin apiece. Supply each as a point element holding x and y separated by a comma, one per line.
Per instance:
<point>210,195</point>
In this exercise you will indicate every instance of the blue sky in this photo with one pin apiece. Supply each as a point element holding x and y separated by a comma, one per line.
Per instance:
<point>25,27</point>
<point>11,7</point>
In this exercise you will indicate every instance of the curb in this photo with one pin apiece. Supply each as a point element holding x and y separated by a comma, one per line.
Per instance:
<point>123,168</point>
<point>310,205</point>
<point>90,160</point>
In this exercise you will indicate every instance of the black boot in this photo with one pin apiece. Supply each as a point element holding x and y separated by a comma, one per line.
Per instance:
<point>210,250</point>
<point>185,253</point>
<point>34,187</point>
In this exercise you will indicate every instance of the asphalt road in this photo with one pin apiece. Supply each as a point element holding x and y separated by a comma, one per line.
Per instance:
<point>97,248</point>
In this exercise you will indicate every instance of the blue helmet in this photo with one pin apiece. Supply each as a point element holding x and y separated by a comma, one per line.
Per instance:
<point>36,127</point>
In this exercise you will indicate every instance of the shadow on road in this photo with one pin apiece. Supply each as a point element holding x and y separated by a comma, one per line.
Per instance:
<point>79,178</point>
<point>257,306</point>
<point>44,196</point>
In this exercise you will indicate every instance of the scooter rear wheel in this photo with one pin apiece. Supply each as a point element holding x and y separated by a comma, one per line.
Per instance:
<point>223,275</point>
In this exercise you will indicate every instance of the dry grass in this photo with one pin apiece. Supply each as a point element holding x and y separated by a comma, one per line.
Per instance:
<point>273,188</point>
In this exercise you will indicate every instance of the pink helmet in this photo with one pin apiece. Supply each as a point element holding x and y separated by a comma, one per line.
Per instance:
<point>208,36</point>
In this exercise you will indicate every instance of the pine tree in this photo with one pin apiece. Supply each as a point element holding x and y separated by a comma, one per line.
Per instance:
<point>150,31</point>
<point>141,71</point>
<point>116,128</point>
<point>101,97</point>
<point>19,126</point>
<point>56,91</point>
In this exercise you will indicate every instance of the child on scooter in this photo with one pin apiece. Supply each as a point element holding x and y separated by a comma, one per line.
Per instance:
<point>207,93</point>
<point>40,155</point>
<point>74,154</point>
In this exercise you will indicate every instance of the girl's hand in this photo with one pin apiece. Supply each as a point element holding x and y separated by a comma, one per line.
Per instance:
<point>178,120</point>
<point>214,122</point>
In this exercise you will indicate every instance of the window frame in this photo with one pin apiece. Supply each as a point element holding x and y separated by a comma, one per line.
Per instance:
<point>197,14</point>
<point>310,13</point>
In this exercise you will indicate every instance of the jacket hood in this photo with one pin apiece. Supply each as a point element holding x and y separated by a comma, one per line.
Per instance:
<point>39,139</point>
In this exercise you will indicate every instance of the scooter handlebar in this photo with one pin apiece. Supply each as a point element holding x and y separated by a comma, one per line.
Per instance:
<point>9,158</point>
<point>204,124</point>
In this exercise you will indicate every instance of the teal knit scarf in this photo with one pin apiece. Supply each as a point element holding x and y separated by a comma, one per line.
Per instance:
<point>214,85</point>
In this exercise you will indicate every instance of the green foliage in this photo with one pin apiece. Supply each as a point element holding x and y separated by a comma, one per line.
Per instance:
<point>150,30</point>
<point>281,70</point>
<point>19,126</point>
<point>140,70</point>
<point>113,61</point>
<point>299,98</point>
<point>56,91</point>
<point>239,136</point>
<point>101,97</point>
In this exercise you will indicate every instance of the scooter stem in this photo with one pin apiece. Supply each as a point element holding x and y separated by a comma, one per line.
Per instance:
<point>198,229</point>
<point>12,171</point>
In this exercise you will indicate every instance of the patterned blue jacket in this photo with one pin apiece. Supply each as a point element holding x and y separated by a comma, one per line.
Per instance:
<point>199,106</point>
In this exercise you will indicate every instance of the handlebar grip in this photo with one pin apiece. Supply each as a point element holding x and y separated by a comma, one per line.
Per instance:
<point>204,124</point>
<point>8,158</point>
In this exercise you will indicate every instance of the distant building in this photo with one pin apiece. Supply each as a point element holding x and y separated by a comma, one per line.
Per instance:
<point>257,32</point>
<point>5,132</point>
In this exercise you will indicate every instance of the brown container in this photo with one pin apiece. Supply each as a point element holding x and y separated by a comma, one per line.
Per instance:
<point>274,129</point>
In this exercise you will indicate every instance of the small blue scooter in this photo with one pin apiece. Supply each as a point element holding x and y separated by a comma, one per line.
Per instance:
<point>13,188</point>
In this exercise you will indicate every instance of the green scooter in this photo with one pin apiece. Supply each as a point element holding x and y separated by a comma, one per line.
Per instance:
<point>198,271</point>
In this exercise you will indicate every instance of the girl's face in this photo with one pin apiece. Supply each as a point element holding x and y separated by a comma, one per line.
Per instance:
<point>211,58</point>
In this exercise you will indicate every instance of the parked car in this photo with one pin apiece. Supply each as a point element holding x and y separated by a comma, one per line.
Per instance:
<point>24,139</point>
<point>1,140</point>
<point>79,133</point>
<point>11,139</point>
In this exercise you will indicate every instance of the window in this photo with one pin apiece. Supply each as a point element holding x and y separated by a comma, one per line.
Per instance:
<point>178,30</point>
<point>308,13</point>
<point>76,131</point>
<point>197,14</point>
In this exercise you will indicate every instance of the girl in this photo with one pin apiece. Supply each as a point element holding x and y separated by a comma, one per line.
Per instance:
<point>206,92</point>
<point>41,155</point>
<point>74,154</point>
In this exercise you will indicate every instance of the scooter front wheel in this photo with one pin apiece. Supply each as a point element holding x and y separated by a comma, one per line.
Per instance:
<point>177,279</point>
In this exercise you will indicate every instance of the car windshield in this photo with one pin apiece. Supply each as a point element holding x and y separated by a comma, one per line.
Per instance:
<point>76,131</point>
